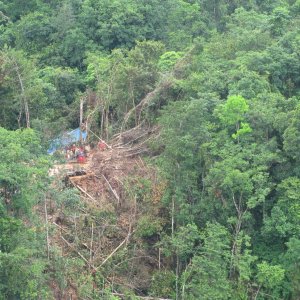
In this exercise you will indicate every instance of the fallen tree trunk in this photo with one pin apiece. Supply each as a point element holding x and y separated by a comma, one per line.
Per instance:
<point>165,83</point>
<point>146,101</point>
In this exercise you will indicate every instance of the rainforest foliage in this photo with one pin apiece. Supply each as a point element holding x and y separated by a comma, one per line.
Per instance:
<point>225,83</point>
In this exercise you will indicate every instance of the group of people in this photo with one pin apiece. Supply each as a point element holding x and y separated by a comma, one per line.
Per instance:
<point>76,152</point>
<point>80,152</point>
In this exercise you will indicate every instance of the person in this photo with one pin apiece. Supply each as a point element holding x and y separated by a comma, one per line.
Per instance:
<point>73,149</point>
<point>81,157</point>
<point>87,150</point>
<point>77,152</point>
<point>102,145</point>
<point>69,154</point>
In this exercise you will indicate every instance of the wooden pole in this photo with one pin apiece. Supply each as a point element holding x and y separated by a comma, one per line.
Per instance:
<point>81,119</point>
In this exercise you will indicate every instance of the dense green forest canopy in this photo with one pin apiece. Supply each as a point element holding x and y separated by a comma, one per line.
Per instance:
<point>221,79</point>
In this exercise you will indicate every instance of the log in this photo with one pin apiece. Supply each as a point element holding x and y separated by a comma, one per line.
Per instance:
<point>139,297</point>
<point>116,249</point>
<point>83,191</point>
<point>73,248</point>
<point>111,188</point>
<point>118,135</point>
<point>113,252</point>
<point>136,153</point>
<point>137,138</point>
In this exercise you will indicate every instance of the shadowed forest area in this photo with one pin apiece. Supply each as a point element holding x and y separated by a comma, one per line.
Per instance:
<point>190,188</point>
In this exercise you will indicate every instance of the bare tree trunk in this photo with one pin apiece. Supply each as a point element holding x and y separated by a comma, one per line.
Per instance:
<point>106,124</point>
<point>257,292</point>
<point>173,211</point>
<point>102,122</point>
<point>240,213</point>
<point>91,246</point>
<point>23,96</point>
<point>177,277</point>
<point>20,115</point>
<point>177,258</point>
<point>184,283</point>
<point>132,99</point>
<point>47,228</point>
<point>159,259</point>
<point>80,119</point>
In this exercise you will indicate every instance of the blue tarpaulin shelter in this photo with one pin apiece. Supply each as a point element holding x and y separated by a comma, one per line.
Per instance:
<point>66,139</point>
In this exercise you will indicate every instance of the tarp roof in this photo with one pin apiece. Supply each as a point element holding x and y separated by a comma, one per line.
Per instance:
<point>66,139</point>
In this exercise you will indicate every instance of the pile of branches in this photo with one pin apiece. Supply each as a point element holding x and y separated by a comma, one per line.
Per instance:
<point>135,141</point>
